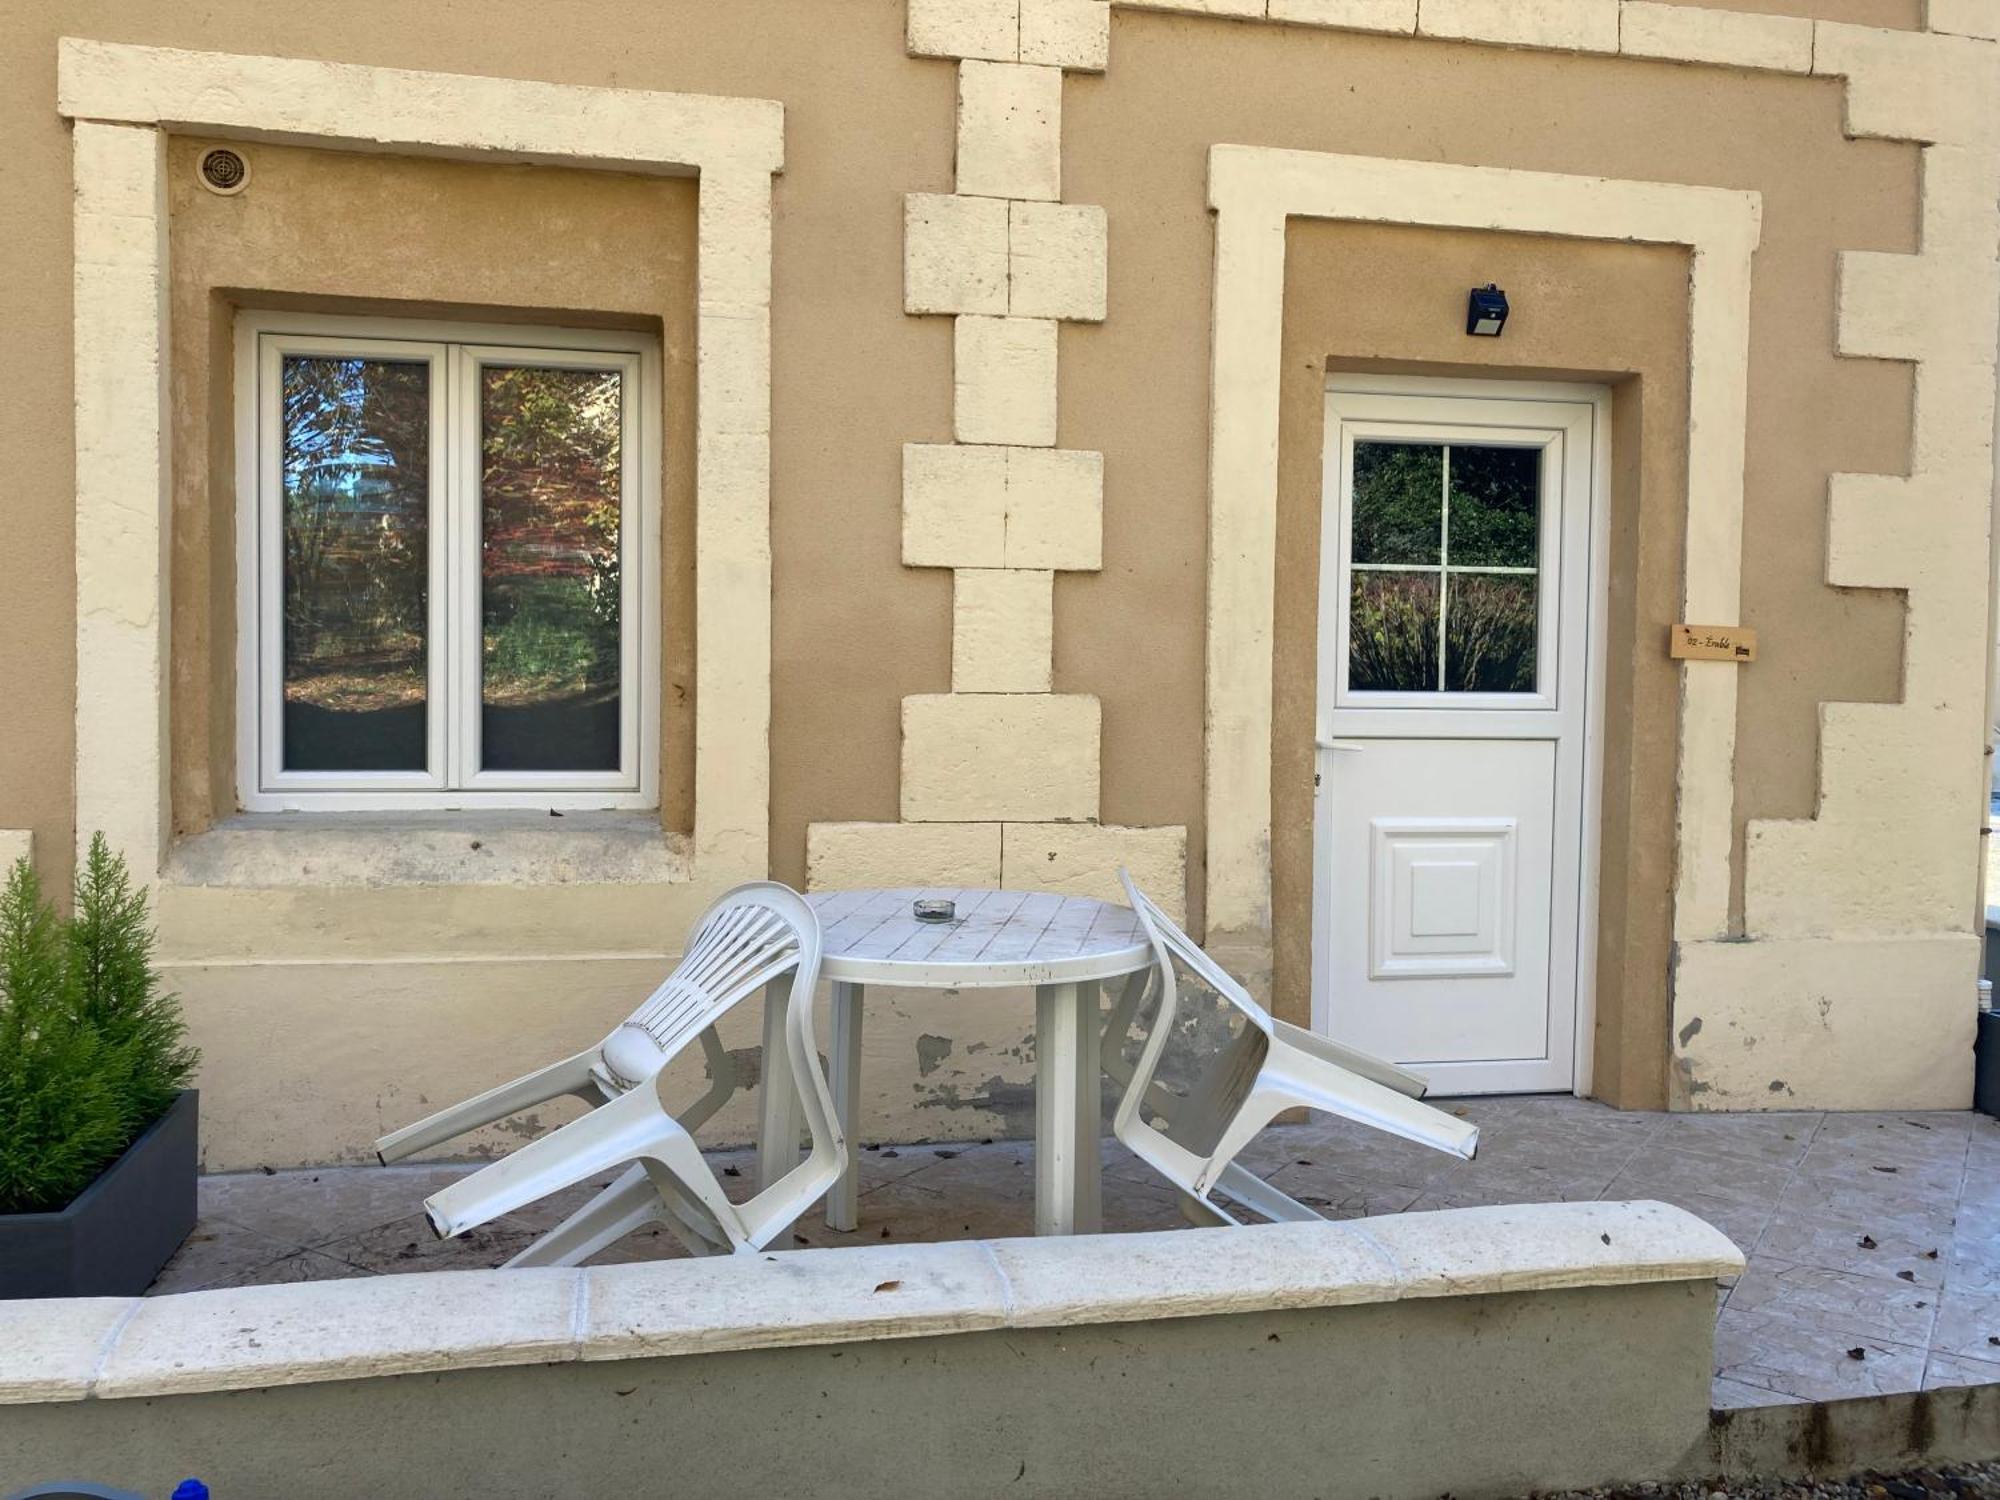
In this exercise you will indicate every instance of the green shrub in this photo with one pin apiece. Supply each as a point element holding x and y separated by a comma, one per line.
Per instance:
<point>92,1050</point>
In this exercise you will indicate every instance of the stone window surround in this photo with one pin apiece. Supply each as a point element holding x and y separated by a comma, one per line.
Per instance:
<point>124,101</point>
<point>1253,192</point>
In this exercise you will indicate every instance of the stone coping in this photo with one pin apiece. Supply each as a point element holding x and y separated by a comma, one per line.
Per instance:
<point>484,846</point>
<point>253,1337</point>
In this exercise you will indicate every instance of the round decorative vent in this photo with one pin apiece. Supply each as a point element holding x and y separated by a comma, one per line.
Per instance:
<point>224,171</point>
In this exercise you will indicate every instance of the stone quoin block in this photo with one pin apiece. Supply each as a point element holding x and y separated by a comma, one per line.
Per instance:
<point>1200,7</point>
<point>954,506</point>
<point>1730,38</point>
<point>1910,85</point>
<point>1002,630</point>
<point>955,254</point>
<point>1004,381</point>
<point>15,844</point>
<point>1073,34</point>
<point>962,28</point>
<point>854,855</point>
<point>977,757</point>
<point>1349,15</point>
<point>1056,254</point>
<point>1563,25</point>
<point>1083,859</point>
<point>1009,130</point>
<point>1978,18</point>
<point>1055,509</point>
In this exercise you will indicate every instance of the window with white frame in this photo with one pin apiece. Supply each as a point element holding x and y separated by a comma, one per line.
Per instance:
<point>449,573</point>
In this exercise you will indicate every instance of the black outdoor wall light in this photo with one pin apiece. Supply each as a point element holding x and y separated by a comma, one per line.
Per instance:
<point>1486,311</point>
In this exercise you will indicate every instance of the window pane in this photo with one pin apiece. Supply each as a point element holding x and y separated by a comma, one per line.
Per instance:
<point>1398,502</point>
<point>1490,633</point>
<point>356,473</point>
<point>1392,633</point>
<point>1495,506</point>
<point>549,575</point>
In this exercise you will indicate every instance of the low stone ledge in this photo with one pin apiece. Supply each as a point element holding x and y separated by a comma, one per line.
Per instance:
<point>309,1332</point>
<point>524,847</point>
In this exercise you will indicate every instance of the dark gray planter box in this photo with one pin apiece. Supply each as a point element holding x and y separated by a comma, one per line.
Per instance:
<point>113,1238</point>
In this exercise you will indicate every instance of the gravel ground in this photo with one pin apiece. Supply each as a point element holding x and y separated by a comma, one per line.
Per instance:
<point>1952,1482</point>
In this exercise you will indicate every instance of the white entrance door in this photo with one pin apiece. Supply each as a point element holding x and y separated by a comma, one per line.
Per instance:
<point>1454,684</point>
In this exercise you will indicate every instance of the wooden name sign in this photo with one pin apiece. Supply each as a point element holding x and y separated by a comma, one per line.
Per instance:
<point>1712,643</point>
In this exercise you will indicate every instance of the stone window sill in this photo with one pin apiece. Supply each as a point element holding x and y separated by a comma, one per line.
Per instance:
<point>277,850</point>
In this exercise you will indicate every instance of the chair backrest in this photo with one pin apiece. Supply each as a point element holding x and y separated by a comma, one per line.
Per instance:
<point>751,936</point>
<point>1170,943</point>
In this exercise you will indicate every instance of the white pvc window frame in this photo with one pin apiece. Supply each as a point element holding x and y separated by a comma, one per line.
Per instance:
<point>453,777</point>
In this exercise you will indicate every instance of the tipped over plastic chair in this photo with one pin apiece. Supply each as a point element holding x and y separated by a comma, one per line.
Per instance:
<point>751,937</point>
<point>1267,1068</point>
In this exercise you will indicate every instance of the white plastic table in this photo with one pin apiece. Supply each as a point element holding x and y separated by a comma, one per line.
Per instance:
<point>1061,946</point>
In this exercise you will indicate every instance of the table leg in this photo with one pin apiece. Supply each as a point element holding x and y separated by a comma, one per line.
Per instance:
<point>843,1199</point>
<point>1067,1192</point>
<point>778,1104</point>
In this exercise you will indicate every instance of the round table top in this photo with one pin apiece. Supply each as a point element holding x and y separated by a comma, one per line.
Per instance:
<point>998,938</point>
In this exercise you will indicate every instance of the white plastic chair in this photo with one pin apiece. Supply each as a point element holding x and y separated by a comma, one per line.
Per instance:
<point>1267,1068</point>
<point>751,937</point>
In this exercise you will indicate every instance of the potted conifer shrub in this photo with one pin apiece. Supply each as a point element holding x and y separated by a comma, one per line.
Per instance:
<point>97,1125</point>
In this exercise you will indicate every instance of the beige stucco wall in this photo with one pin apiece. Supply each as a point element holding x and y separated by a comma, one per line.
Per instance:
<point>484,979</point>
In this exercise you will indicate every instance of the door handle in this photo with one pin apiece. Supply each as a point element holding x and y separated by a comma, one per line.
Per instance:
<point>1346,747</point>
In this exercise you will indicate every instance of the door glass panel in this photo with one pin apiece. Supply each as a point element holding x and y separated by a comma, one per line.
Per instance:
<point>1392,639</point>
<point>1489,639</point>
<point>355,469</point>
<point>549,568</point>
<point>1495,505</point>
<point>1398,502</point>
<point>1446,553</point>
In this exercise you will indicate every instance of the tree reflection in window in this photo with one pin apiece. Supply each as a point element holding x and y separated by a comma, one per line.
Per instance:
<point>354,465</point>
<point>1445,552</point>
<point>550,454</point>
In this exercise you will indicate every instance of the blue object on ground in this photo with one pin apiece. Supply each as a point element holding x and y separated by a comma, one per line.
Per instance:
<point>190,1489</point>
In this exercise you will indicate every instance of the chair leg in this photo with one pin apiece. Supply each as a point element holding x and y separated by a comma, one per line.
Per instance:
<point>570,1076</point>
<point>632,1127</point>
<point>843,1199</point>
<point>1203,1215</point>
<point>1254,1193</point>
<point>627,1204</point>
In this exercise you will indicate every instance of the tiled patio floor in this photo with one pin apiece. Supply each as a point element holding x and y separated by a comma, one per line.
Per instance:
<point>1874,1239</point>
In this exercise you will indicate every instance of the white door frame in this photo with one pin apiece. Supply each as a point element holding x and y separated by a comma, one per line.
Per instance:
<point>1596,562</point>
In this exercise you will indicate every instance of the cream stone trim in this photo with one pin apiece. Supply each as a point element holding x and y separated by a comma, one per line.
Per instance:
<point>15,844</point>
<point>1254,190</point>
<point>1000,757</point>
<point>252,1338</point>
<point>898,854</point>
<point>126,100</point>
<point>1976,18</point>
<point>1009,130</point>
<point>1736,39</point>
<point>1349,15</point>
<point>1004,372</point>
<point>1562,25</point>
<point>1002,630</point>
<point>1083,859</point>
